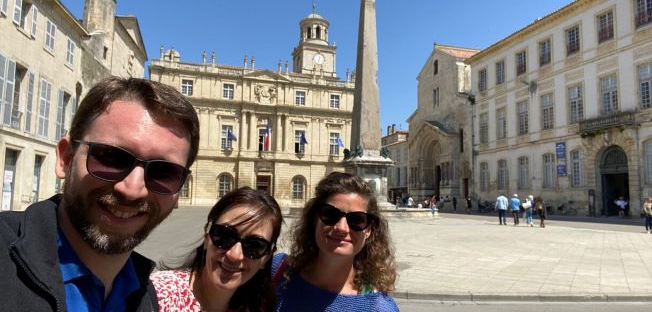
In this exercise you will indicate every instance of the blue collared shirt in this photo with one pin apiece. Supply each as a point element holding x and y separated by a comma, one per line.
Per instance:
<point>84,291</point>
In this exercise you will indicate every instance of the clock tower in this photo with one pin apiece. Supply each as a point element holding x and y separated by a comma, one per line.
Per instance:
<point>314,55</point>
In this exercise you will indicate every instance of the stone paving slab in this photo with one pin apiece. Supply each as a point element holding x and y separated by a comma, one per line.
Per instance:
<point>452,258</point>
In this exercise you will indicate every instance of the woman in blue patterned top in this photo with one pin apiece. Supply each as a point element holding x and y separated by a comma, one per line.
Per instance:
<point>341,257</point>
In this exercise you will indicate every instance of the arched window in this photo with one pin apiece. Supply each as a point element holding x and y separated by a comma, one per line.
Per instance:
<point>577,167</point>
<point>224,184</point>
<point>184,192</point>
<point>523,172</point>
<point>308,32</point>
<point>298,187</point>
<point>318,35</point>
<point>435,67</point>
<point>549,173</point>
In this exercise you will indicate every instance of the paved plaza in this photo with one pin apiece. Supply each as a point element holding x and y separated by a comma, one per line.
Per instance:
<point>472,258</point>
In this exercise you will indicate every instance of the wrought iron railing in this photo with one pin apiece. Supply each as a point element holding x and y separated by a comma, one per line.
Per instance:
<point>607,121</point>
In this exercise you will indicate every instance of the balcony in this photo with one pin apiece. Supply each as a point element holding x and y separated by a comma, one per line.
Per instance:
<point>619,119</point>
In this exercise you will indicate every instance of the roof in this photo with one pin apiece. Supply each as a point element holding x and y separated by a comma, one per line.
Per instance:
<point>441,127</point>
<point>457,52</point>
<point>534,26</point>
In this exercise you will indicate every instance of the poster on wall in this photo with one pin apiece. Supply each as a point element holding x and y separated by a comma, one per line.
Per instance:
<point>7,180</point>
<point>560,148</point>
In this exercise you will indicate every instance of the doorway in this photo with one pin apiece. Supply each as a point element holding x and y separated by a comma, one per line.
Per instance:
<point>263,183</point>
<point>8,180</point>
<point>615,180</point>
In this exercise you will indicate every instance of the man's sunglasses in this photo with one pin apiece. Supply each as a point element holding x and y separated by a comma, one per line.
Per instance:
<point>110,163</point>
<point>357,220</point>
<point>225,237</point>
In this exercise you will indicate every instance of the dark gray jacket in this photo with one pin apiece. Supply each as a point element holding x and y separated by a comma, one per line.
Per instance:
<point>30,277</point>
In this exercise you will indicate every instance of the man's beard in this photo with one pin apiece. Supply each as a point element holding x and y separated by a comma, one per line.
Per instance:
<point>78,212</point>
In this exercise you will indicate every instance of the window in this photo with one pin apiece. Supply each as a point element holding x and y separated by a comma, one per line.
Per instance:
<point>299,145</point>
<point>184,192</point>
<point>224,183</point>
<point>228,91</point>
<point>572,40</point>
<point>44,108</point>
<point>502,175</point>
<point>500,72</point>
<point>547,112</point>
<point>298,187</point>
<point>521,63</point>
<point>435,97</point>
<point>3,7</point>
<point>643,14</point>
<point>605,26</point>
<point>335,101</point>
<point>264,140</point>
<point>645,84</point>
<point>648,162</point>
<point>36,178</point>
<point>577,165</point>
<point>609,92</point>
<point>34,20</point>
<point>18,7</point>
<point>334,147</point>
<point>8,100</point>
<point>300,98</point>
<point>549,170</point>
<point>63,100</point>
<point>28,103</point>
<point>575,104</point>
<point>70,53</point>
<point>484,128</point>
<point>523,117</point>
<point>435,67</point>
<point>523,173</point>
<point>484,176</point>
<point>501,124</point>
<point>226,140</point>
<point>186,87</point>
<point>482,81</point>
<point>50,32</point>
<point>544,53</point>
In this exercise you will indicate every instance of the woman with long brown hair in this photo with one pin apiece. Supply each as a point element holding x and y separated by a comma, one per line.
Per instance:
<point>341,258</point>
<point>230,270</point>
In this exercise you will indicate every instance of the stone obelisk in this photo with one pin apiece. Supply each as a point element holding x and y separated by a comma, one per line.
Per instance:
<point>365,157</point>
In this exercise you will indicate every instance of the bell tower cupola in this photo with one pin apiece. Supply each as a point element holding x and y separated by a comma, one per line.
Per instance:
<point>314,54</point>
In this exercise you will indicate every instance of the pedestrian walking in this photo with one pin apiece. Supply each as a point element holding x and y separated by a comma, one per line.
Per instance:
<point>441,203</point>
<point>622,205</point>
<point>454,203</point>
<point>515,204</point>
<point>433,205</point>
<point>469,205</point>
<point>541,210</point>
<point>527,206</point>
<point>647,208</point>
<point>501,207</point>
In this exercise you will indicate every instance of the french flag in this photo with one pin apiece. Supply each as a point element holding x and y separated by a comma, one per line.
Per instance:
<point>268,134</point>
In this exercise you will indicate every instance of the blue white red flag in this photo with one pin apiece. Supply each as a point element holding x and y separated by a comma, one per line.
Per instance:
<point>268,134</point>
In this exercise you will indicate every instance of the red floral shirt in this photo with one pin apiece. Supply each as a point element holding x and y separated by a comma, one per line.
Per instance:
<point>173,291</point>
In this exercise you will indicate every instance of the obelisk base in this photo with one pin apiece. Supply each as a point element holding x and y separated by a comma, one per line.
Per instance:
<point>373,169</point>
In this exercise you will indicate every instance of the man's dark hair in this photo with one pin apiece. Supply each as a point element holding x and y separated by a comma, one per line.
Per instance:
<point>155,97</point>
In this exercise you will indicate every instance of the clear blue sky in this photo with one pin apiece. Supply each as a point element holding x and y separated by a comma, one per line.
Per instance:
<point>269,30</point>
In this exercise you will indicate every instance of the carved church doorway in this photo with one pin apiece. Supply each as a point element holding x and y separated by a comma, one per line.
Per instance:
<point>615,179</point>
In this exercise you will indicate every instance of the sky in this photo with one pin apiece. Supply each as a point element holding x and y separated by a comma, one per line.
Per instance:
<point>269,29</point>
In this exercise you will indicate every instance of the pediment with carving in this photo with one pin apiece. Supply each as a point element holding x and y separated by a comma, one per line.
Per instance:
<point>265,94</point>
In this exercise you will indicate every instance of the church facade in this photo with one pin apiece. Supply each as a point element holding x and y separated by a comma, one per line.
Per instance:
<point>563,109</point>
<point>277,130</point>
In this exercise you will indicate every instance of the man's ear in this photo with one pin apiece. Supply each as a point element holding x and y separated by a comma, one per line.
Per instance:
<point>65,153</point>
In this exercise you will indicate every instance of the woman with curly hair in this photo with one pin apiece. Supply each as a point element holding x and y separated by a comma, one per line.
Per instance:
<point>341,258</point>
<point>230,270</point>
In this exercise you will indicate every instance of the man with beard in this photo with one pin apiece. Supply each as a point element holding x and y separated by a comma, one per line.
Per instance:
<point>127,155</point>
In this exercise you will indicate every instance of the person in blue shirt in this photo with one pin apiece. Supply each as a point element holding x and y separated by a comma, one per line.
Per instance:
<point>123,162</point>
<point>501,207</point>
<point>515,205</point>
<point>341,257</point>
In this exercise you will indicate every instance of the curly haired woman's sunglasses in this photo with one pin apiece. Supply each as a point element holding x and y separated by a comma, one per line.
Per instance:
<point>356,220</point>
<point>225,237</point>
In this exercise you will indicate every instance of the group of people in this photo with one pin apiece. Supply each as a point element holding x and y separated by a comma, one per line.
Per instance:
<point>127,155</point>
<point>528,207</point>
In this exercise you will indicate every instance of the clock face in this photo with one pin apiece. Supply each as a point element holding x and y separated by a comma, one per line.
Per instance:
<point>318,59</point>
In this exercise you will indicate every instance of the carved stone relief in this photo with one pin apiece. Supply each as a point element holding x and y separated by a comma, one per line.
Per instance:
<point>265,94</point>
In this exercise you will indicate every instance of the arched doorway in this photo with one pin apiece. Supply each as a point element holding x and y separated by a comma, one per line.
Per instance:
<point>615,179</point>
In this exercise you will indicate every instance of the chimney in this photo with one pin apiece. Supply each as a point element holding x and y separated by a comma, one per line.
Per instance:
<point>245,62</point>
<point>389,130</point>
<point>393,128</point>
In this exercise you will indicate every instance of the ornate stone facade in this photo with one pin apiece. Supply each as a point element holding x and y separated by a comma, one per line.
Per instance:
<point>270,130</point>
<point>570,119</point>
